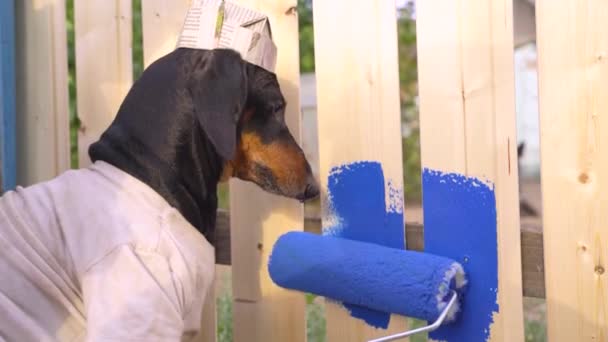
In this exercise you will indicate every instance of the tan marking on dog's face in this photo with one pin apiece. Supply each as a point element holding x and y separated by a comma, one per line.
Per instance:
<point>275,161</point>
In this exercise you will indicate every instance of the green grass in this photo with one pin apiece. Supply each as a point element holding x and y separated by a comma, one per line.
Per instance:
<point>535,331</point>
<point>535,324</point>
<point>224,310</point>
<point>315,319</point>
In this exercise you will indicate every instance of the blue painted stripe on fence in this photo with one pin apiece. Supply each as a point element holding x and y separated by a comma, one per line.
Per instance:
<point>357,201</point>
<point>460,223</point>
<point>7,94</point>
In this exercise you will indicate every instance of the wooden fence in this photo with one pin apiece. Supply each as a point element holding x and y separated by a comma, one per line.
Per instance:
<point>465,58</point>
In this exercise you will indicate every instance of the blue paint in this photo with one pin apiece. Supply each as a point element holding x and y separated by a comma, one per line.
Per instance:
<point>362,274</point>
<point>357,204</point>
<point>7,94</point>
<point>460,223</point>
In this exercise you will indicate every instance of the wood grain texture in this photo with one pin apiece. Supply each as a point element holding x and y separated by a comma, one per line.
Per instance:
<point>162,24</point>
<point>358,112</point>
<point>465,56</point>
<point>573,83</point>
<point>42,91</point>
<point>104,68</point>
<point>263,311</point>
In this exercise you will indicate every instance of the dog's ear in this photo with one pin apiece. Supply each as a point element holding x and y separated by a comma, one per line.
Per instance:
<point>218,86</point>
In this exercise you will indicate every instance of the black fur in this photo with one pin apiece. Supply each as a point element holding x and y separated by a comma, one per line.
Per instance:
<point>178,124</point>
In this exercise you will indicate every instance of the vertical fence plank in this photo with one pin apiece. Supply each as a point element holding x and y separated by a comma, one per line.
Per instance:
<point>42,91</point>
<point>465,56</point>
<point>573,83</point>
<point>104,69</point>
<point>263,311</point>
<point>8,163</point>
<point>162,21</point>
<point>358,119</point>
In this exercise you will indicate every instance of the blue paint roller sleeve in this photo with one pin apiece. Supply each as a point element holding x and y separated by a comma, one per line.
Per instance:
<point>386,279</point>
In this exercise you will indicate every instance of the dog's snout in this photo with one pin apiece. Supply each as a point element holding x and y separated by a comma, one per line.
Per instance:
<point>311,191</point>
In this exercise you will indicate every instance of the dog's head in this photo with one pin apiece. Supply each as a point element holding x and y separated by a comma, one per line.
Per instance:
<point>242,111</point>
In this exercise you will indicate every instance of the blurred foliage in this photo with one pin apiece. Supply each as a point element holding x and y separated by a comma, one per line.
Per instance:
<point>307,46</point>
<point>74,122</point>
<point>223,200</point>
<point>536,331</point>
<point>224,312</point>
<point>138,44</point>
<point>415,324</point>
<point>408,82</point>
<point>315,319</point>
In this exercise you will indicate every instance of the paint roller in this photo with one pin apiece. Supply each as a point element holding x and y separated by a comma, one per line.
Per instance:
<point>396,281</point>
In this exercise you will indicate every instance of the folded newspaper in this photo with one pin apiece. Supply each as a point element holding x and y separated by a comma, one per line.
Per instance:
<point>212,24</point>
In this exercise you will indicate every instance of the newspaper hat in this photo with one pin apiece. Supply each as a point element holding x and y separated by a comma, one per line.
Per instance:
<point>212,24</point>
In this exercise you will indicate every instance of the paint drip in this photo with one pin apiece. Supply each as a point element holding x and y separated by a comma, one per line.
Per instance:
<point>460,223</point>
<point>360,210</point>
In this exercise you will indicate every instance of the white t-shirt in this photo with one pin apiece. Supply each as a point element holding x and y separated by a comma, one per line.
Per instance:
<point>97,255</point>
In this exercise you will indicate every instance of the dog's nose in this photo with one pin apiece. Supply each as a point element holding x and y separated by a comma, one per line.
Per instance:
<point>312,189</point>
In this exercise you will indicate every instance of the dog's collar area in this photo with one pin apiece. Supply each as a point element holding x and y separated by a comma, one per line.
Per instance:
<point>189,185</point>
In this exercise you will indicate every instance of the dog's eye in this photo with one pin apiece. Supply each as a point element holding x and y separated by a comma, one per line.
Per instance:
<point>276,108</point>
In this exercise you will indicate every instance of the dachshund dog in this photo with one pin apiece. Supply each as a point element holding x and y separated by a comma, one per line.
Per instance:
<point>196,117</point>
<point>122,249</point>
